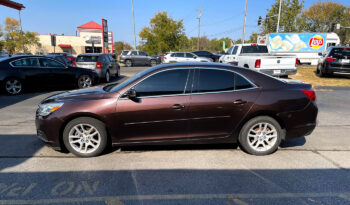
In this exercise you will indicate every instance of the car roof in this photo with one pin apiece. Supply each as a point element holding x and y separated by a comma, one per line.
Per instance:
<point>91,54</point>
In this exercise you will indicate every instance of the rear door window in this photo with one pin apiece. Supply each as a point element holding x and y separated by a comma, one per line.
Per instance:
<point>49,63</point>
<point>26,62</point>
<point>189,55</point>
<point>212,80</point>
<point>133,53</point>
<point>180,55</point>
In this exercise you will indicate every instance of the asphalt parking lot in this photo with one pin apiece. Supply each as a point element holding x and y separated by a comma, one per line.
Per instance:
<point>310,170</point>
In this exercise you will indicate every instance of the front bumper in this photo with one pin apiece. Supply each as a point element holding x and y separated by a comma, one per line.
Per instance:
<point>282,72</point>
<point>48,130</point>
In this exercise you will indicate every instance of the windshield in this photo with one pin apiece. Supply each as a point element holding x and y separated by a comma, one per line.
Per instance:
<point>254,49</point>
<point>87,59</point>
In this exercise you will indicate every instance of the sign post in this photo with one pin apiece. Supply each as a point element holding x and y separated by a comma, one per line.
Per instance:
<point>53,42</point>
<point>104,36</point>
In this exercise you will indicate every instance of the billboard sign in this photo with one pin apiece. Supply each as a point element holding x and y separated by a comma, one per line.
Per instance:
<point>297,42</point>
<point>93,39</point>
<point>105,33</point>
<point>261,39</point>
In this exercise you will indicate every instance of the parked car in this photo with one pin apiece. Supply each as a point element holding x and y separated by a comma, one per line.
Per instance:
<point>68,56</point>
<point>336,60</point>
<point>177,57</point>
<point>133,58</point>
<point>99,63</point>
<point>22,72</point>
<point>61,59</point>
<point>185,103</point>
<point>257,57</point>
<point>21,54</point>
<point>207,54</point>
<point>4,55</point>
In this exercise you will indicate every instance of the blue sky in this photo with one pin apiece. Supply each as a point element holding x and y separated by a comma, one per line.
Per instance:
<point>220,18</point>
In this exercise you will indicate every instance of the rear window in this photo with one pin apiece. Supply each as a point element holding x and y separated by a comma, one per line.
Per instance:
<point>87,59</point>
<point>340,52</point>
<point>254,49</point>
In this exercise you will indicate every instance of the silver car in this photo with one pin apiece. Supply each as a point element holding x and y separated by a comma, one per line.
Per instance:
<point>102,64</point>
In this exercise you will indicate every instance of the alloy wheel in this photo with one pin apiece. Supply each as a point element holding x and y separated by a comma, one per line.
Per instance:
<point>84,138</point>
<point>85,81</point>
<point>13,86</point>
<point>262,136</point>
<point>107,77</point>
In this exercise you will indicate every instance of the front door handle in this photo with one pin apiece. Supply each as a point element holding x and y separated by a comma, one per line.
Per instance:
<point>239,102</point>
<point>178,106</point>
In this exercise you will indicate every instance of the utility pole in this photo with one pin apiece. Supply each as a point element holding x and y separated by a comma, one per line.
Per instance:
<point>133,22</point>
<point>279,16</point>
<point>199,26</point>
<point>21,35</point>
<point>245,19</point>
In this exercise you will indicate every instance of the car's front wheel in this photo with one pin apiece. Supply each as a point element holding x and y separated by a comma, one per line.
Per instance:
<point>261,136</point>
<point>13,86</point>
<point>128,63</point>
<point>84,81</point>
<point>153,63</point>
<point>85,137</point>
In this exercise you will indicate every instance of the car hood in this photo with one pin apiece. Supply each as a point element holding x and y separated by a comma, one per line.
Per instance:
<point>77,95</point>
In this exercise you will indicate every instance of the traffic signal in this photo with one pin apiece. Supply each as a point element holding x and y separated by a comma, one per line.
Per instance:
<point>259,20</point>
<point>333,27</point>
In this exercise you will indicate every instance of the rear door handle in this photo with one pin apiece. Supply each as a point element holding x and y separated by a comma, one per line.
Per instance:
<point>178,106</point>
<point>239,102</point>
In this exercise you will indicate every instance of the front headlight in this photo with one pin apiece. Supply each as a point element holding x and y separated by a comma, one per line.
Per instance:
<point>46,109</point>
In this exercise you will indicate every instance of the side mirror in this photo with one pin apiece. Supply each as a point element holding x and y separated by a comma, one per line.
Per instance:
<point>131,93</point>
<point>320,54</point>
<point>195,57</point>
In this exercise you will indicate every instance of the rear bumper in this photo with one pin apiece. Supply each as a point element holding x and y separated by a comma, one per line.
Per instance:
<point>282,72</point>
<point>337,70</point>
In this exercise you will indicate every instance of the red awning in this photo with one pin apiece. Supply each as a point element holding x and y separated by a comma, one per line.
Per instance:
<point>12,4</point>
<point>64,45</point>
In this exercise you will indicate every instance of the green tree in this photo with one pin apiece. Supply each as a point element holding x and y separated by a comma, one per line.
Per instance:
<point>120,45</point>
<point>1,41</point>
<point>15,40</point>
<point>320,16</point>
<point>290,19</point>
<point>164,34</point>
<point>253,38</point>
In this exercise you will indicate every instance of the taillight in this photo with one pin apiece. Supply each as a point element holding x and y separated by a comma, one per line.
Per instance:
<point>329,59</point>
<point>98,65</point>
<point>310,94</point>
<point>257,63</point>
<point>74,64</point>
<point>296,62</point>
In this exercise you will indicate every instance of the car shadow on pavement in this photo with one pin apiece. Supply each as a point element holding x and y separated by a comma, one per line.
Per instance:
<point>6,100</point>
<point>16,149</point>
<point>176,186</point>
<point>296,142</point>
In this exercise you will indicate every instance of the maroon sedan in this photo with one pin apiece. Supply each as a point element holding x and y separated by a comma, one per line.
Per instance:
<point>180,104</point>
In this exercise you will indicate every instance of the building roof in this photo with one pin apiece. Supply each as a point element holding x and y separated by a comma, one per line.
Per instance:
<point>12,4</point>
<point>90,25</point>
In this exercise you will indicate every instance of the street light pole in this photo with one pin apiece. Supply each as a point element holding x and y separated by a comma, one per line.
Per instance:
<point>21,34</point>
<point>245,19</point>
<point>199,27</point>
<point>133,22</point>
<point>279,16</point>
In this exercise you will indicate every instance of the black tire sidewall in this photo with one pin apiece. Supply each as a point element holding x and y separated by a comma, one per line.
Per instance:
<point>109,74</point>
<point>153,63</point>
<point>243,139</point>
<point>127,64</point>
<point>86,120</point>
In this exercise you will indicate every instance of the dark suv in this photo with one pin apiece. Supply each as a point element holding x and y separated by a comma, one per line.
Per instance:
<point>207,54</point>
<point>336,60</point>
<point>132,58</point>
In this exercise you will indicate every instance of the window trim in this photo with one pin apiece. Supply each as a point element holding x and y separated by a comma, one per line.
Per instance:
<point>191,93</point>
<point>24,66</point>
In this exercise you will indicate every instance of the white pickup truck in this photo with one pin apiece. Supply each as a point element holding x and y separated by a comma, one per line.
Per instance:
<point>257,57</point>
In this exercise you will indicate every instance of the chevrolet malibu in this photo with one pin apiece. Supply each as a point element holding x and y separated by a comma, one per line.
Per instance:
<point>192,103</point>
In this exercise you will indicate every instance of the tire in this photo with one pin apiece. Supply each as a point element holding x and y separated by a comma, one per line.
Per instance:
<point>84,81</point>
<point>128,63</point>
<point>319,72</point>
<point>13,86</point>
<point>118,72</point>
<point>107,77</point>
<point>153,63</point>
<point>255,142</point>
<point>83,147</point>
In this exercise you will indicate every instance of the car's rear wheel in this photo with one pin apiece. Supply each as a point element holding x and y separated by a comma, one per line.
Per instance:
<point>128,63</point>
<point>261,136</point>
<point>319,72</point>
<point>85,137</point>
<point>153,63</point>
<point>107,77</point>
<point>13,86</point>
<point>84,81</point>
